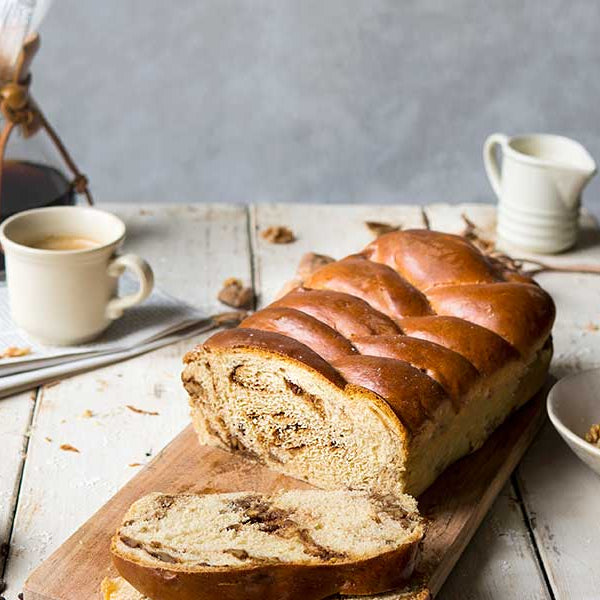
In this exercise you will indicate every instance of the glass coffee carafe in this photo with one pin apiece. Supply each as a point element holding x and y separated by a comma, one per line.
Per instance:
<point>33,160</point>
<point>32,177</point>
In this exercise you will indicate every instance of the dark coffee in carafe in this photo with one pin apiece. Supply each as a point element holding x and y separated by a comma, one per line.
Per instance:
<point>27,185</point>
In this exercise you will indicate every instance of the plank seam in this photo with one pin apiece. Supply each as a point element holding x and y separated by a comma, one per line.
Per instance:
<point>530,530</point>
<point>254,255</point>
<point>6,545</point>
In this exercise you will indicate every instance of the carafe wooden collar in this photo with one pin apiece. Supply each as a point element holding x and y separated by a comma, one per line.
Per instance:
<point>20,110</point>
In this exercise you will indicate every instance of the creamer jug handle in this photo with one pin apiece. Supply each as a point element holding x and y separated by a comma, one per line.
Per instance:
<point>490,160</point>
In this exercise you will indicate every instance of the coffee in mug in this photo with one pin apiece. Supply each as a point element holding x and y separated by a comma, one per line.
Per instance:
<point>62,271</point>
<point>64,242</point>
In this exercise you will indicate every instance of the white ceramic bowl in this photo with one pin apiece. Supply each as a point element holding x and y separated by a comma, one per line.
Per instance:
<point>573,407</point>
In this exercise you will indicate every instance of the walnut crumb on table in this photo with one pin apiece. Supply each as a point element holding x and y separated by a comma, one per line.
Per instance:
<point>278,234</point>
<point>235,294</point>
<point>593,435</point>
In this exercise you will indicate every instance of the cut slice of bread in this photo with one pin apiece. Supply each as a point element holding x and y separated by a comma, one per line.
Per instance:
<point>116,588</point>
<point>293,545</point>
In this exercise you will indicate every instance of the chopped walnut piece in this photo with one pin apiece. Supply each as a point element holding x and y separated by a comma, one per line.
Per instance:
<point>235,294</point>
<point>311,262</point>
<point>141,411</point>
<point>593,435</point>
<point>278,234</point>
<point>87,414</point>
<point>378,229</point>
<point>14,352</point>
<point>68,448</point>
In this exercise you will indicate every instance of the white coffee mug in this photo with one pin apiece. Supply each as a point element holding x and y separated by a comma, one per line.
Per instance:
<point>64,297</point>
<point>538,189</point>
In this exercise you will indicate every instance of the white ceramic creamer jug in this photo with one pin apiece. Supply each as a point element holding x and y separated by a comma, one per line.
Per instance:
<point>539,189</point>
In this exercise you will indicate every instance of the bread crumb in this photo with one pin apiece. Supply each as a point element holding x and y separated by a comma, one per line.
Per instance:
<point>593,435</point>
<point>87,414</point>
<point>278,234</point>
<point>592,327</point>
<point>140,411</point>
<point>135,464</point>
<point>69,448</point>
<point>48,439</point>
<point>101,385</point>
<point>14,352</point>
<point>235,294</point>
<point>378,229</point>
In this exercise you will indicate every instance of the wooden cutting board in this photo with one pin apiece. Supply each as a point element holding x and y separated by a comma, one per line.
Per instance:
<point>455,506</point>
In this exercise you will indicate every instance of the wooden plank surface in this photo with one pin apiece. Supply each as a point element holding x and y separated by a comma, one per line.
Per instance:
<point>325,229</point>
<point>500,561</point>
<point>15,419</point>
<point>192,249</point>
<point>500,552</point>
<point>559,493</point>
<point>454,506</point>
<point>339,231</point>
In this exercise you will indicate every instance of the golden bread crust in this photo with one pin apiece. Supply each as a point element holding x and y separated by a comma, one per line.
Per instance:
<point>440,337</point>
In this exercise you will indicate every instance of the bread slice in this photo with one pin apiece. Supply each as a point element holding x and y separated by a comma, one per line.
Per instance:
<point>116,588</point>
<point>293,545</point>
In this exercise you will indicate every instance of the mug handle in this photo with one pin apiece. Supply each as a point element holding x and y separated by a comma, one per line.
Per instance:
<point>490,160</point>
<point>145,276</point>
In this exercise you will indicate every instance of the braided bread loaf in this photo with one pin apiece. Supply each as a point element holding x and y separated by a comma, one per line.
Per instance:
<point>381,370</point>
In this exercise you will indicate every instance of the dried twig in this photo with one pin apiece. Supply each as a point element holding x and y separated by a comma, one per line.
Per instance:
<point>425,217</point>
<point>69,448</point>
<point>140,411</point>
<point>519,264</point>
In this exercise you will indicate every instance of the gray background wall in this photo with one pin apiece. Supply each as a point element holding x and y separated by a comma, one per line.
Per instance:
<point>313,100</point>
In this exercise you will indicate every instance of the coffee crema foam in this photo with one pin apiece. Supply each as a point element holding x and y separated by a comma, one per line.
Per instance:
<point>64,242</point>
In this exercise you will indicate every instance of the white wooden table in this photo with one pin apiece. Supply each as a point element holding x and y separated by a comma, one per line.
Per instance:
<point>540,540</point>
